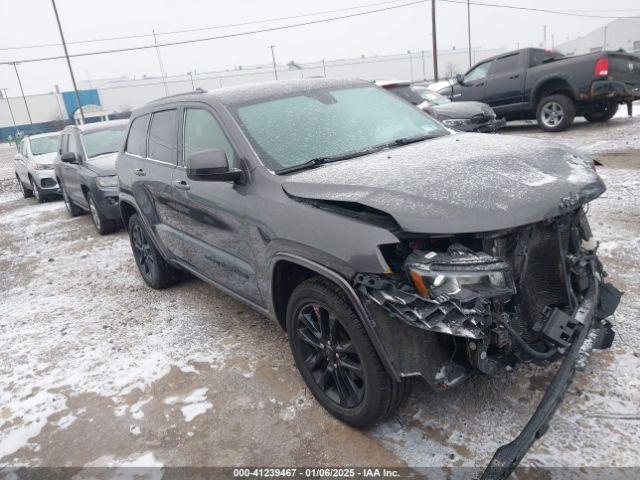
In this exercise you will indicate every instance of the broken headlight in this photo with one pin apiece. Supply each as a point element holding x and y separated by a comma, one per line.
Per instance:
<point>458,274</point>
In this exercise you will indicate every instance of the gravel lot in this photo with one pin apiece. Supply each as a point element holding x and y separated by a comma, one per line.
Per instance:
<point>96,369</point>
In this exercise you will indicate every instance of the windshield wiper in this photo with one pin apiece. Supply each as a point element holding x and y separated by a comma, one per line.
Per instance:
<point>316,162</point>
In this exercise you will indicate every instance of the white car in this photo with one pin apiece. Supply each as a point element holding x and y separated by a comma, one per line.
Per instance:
<point>34,165</point>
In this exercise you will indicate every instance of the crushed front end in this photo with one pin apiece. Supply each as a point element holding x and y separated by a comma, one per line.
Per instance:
<point>481,301</point>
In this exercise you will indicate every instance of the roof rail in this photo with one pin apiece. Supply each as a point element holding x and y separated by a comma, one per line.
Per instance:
<point>182,94</point>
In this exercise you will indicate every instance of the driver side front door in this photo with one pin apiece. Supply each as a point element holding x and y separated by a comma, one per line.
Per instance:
<point>474,84</point>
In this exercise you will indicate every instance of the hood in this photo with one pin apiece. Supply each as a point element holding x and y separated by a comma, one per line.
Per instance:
<point>103,164</point>
<point>460,109</point>
<point>45,158</point>
<point>459,183</point>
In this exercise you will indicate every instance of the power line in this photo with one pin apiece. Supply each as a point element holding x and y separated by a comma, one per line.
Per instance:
<point>205,39</point>
<point>199,29</point>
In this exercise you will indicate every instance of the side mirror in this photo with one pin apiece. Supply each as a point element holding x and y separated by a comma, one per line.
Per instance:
<point>211,165</point>
<point>460,78</point>
<point>70,157</point>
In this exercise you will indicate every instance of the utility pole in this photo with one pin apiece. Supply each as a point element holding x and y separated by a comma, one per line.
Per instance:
<point>469,29</point>
<point>324,68</point>
<point>553,42</point>
<point>273,59</point>
<point>424,67</point>
<point>193,87</point>
<point>15,66</point>
<point>66,54</point>
<point>9,105</point>
<point>434,40</point>
<point>544,37</point>
<point>410,64</point>
<point>164,76</point>
<point>604,42</point>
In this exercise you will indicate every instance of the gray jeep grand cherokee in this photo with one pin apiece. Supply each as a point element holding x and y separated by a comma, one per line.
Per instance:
<point>385,245</point>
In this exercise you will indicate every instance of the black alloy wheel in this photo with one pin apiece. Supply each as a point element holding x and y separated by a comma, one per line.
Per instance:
<point>330,355</point>
<point>142,252</point>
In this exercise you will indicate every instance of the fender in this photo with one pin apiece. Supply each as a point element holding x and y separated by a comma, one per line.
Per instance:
<point>552,78</point>
<point>351,294</point>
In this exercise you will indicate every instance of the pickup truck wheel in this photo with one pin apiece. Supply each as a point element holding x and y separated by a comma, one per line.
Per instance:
<point>155,270</point>
<point>335,356</point>
<point>103,225</point>
<point>26,193</point>
<point>603,114</point>
<point>72,209</point>
<point>555,113</point>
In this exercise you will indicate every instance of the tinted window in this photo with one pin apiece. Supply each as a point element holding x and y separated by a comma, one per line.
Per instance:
<point>505,64</point>
<point>324,123</point>
<point>137,141</point>
<point>202,132</point>
<point>478,73</point>
<point>72,144</point>
<point>162,136</point>
<point>105,140</point>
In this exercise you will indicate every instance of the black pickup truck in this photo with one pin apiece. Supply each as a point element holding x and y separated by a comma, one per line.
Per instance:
<point>539,84</point>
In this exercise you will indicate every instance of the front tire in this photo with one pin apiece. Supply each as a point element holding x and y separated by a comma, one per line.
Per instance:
<point>26,193</point>
<point>103,225</point>
<point>604,114</point>
<point>72,209</point>
<point>555,113</point>
<point>155,270</point>
<point>336,357</point>
<point>36,192</point>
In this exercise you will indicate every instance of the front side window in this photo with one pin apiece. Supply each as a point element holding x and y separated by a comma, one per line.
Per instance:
<point>103,141</point>
<point>478,73</point>
<point>203,132</point>
<point>505,64</point>
<point>162,136</point>
<point>293,130</point>
<point>137,141</point>
<point>42,145</point>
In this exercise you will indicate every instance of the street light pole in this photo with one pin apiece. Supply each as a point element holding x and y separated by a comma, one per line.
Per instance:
<point>66,54</point>
<point>273,59</point>
<point>544,35</point>
<point>469,29</point>
<point>193,87</point>
<point>434,40</point>
<point>15,66</point>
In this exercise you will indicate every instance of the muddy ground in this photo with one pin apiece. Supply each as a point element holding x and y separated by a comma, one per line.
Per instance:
<point>97,369</point>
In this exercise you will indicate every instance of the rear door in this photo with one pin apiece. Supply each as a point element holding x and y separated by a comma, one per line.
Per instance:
<point>213,236</point>
<point>155,159</point>
<point>473,86</point>
<point>505,82</point>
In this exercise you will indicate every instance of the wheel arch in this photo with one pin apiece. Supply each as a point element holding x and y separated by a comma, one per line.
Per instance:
<point>302,268</point>
<point>552,86</point>
<point>127,209</point>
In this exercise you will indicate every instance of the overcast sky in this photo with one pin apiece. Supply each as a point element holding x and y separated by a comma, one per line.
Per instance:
<point>29,22</point>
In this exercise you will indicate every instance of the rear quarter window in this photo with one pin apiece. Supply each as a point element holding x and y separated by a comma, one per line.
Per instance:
<point>137,139</point>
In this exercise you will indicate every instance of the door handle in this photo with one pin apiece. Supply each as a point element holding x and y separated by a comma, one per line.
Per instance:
<point>515,76</point>
<point>182,185</point>
<point>140,172</point>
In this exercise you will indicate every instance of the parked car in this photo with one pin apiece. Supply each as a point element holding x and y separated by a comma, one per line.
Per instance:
<point>553,89</point>
<point>34,166</point>
<point>85,169</point>
<point>461,116</point>
<point>385,246</point>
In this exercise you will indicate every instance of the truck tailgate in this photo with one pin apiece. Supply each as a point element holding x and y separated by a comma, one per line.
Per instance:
<point>624,68</point>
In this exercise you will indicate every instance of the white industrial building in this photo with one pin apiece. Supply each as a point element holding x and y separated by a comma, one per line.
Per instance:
<point>623,33</point>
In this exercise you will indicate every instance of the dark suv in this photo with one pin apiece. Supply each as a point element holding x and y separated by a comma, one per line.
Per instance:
<point>386,246</point>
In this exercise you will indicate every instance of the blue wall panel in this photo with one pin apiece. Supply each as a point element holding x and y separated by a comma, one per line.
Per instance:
<point>87,97</point>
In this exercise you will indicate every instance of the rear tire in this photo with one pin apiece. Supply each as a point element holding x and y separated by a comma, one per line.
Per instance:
<point>336,357</point>
<point>603,114</point>
<point>103,225</point>
<point>555,113</point>
<point>72,209</point>
<point>26,193</point>
<point>154,269</point>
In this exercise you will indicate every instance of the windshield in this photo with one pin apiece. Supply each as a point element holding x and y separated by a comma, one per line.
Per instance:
<point>297,129</point>
<point>430,96</point>
<point>103,141</point>
<point>42,145</point>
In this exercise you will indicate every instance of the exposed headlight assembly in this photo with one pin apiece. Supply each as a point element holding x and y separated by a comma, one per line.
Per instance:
<point>107,182</point>
<point>455,122</point>
<point>458,274</point>
<point>42,166</point>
